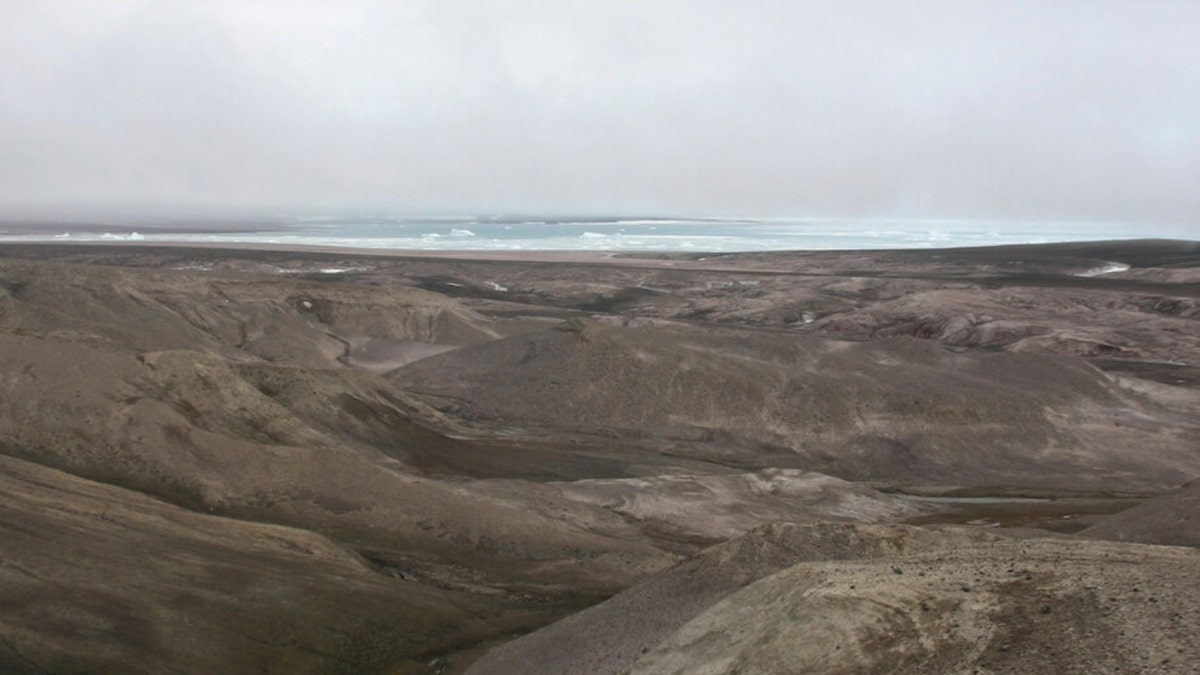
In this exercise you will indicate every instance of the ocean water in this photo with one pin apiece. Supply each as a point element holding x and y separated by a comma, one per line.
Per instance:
<point>506,233</point>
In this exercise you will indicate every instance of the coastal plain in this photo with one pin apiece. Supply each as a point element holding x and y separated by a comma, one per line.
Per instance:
<point>293,460</point>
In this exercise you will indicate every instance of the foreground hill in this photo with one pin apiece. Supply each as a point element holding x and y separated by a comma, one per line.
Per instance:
<point>853,599</point>
<point>100,579</point>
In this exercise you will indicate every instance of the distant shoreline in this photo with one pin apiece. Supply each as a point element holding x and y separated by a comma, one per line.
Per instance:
<point>440,254</point>
<point>513,236</point>
<point>19,228</point>
<point>568,255</point>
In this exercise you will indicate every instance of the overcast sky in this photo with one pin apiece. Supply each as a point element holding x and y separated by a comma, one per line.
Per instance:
<point>1008,109</point>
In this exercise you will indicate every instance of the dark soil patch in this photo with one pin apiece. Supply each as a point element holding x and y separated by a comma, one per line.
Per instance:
<point>1065,516</point>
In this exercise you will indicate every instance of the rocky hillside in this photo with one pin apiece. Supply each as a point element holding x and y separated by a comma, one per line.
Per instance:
<point>186,418</point>
<point>898,410</point>
<point>293,461</point>
<point>853,599</point>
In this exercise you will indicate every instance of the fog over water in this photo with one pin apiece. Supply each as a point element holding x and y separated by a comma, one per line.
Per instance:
<point>1038,111</point>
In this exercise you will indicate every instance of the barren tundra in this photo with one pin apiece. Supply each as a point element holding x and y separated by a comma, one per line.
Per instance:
<point>219,460</point>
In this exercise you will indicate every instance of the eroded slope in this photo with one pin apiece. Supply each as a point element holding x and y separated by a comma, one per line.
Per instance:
<point>854,599</point>
<point>900,409</point>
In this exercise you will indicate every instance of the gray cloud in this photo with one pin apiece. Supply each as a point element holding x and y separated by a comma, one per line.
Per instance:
<point>1081,110</point>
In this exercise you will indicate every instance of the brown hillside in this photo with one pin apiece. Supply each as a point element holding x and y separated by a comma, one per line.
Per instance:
<point>99,579</point>
<point>844,599</point>
<point>1172,519</point>
<point>899,409</point>
<point>299,461</point>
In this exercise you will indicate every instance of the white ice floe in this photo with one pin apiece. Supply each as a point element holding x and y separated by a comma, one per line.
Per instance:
<point>496,286</point>
<point>634,234</point>
<point>1109,268</point>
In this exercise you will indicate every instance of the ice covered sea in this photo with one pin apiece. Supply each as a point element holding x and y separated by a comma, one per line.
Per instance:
<point>508,233</point>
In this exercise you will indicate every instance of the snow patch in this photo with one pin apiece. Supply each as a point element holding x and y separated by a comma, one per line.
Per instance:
<point>1109,268</point>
